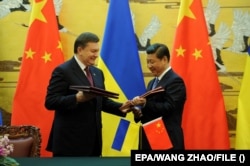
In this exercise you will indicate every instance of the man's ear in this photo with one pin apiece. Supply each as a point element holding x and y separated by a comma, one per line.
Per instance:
<point>165,59</point>
<point>79,49</point>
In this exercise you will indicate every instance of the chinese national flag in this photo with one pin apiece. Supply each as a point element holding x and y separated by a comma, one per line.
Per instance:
<point>42,53</point>
<point>204,117</point>
<point>157,135</point>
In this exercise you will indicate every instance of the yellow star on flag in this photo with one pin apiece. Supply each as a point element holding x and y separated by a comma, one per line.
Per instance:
<point>180,51</point>
<point>47,57</point>
<point>37,11</point>
<point>29,54</point>
<point>186,12</point>
<point>158,125</point>
<point>158,128</point>
<point>59,45</point>
<point>197,54</point>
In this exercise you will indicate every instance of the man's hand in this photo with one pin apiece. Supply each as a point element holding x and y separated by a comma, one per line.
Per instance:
<point>137,112</point>
<point>138,101</point>
<point>82,97</point>
<point>125,108</point>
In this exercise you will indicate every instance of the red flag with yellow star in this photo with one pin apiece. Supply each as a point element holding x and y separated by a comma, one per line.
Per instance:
<point>42,53</point>
<point>157,134</point>
<point>204,117</point>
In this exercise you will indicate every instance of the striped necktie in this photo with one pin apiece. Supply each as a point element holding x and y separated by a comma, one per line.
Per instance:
<point>89,76</point>
<point>155,82</point>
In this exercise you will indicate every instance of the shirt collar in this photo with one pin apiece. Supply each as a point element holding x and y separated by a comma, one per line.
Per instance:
<point>82,66</point>
<point>160,77</point>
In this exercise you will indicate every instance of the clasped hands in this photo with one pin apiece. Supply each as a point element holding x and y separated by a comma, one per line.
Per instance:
<point>131,106</point>
<point>128,106</point>
<point>138,101</point>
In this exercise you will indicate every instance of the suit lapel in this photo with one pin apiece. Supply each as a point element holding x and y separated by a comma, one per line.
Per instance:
<point>165,78</point>
<point>150,84</point>
<point>76,70</point>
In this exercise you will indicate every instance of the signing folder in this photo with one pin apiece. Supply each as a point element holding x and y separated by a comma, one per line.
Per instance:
<point>95,91</point>
<point>147,94</point>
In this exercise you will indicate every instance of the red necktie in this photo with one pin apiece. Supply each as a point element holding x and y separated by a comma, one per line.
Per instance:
<point>89,76</point>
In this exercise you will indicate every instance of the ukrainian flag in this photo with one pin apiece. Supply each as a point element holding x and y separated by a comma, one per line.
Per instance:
<point>120,63</point>
<point>243,114</point>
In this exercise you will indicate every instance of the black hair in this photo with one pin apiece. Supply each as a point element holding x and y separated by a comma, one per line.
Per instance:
<point>161,50</point>
<point>85,38</point>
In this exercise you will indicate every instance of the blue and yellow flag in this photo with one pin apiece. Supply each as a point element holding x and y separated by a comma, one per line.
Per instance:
<point>126,137</point>
<point>1,118</point>
<point>243,115</point>
<point>120,63</point>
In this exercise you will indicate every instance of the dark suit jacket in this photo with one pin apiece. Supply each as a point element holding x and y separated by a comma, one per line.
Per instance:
<point>168,104</point>
<point>76,128</point>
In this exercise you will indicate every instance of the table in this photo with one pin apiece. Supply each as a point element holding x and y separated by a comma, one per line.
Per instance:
<point>75,161</point>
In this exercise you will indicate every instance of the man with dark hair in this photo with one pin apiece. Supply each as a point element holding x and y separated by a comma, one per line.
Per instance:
<point>167,104</point>
<point>77,124</point>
